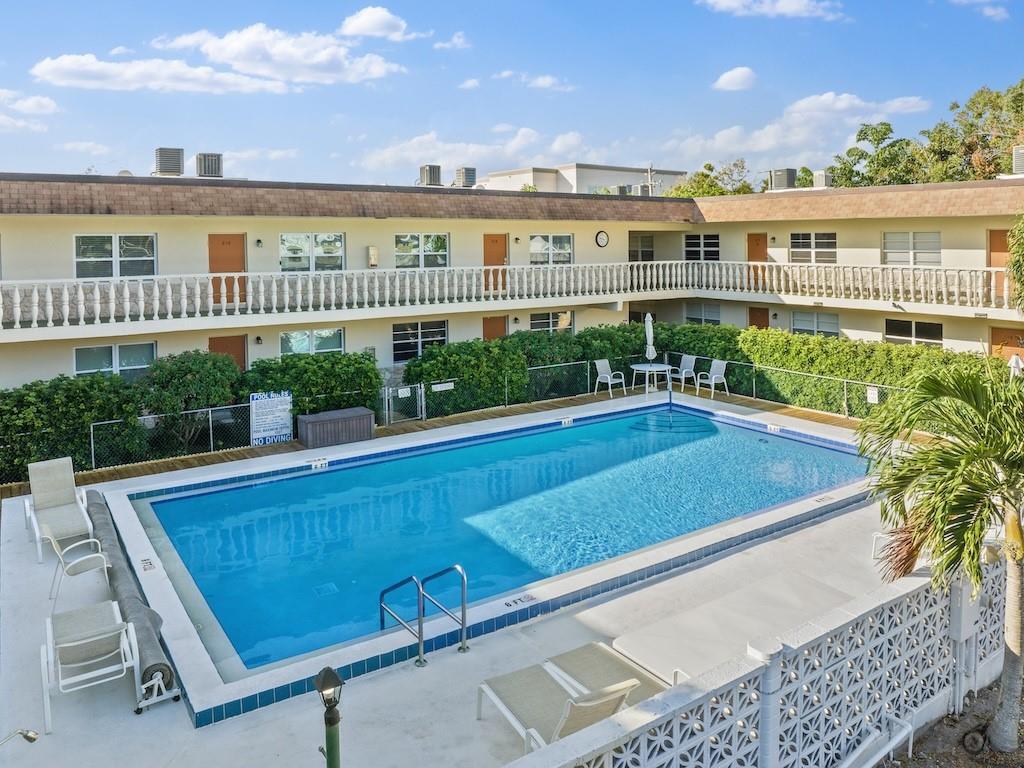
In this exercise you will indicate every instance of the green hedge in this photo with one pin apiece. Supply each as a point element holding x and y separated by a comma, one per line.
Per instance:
<point>481,370</point>
<point>318,382</point>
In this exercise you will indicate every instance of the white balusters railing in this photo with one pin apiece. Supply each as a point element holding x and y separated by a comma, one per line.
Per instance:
<point>47,303</point>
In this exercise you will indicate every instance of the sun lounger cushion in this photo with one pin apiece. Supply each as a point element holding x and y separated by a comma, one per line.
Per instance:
<point>52,483</point>
<point>62,522</point>
<point>533,697</point>
<point>595,666</point>
<point>88,621</point>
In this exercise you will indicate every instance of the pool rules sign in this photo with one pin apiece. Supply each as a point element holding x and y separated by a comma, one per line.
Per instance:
<point>270,417</point>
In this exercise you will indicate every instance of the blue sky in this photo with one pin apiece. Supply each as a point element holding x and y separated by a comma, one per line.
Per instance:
<point>345,92</point>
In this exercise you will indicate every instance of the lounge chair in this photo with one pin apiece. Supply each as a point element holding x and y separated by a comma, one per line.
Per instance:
<point>55,512</point>
<point>684,371</point>
<point>595,665</point>
<point>542,710</point>
<point>71,562</point>
<point>712,377</point>
<point>85,647</point>
<point>605,375</point>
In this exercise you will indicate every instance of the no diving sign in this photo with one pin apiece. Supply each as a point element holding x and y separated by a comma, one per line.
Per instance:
<point>270,417</point>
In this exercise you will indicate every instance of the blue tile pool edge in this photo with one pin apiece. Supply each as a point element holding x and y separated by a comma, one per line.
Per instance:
<point>517,614</point>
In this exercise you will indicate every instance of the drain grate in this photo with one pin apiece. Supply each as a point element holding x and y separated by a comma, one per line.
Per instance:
<point>325,590</point>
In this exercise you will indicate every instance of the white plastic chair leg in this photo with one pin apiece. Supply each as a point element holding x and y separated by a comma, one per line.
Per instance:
<point>45,677</point>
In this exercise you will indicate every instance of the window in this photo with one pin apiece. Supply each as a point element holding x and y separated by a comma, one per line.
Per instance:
<point>641,247</point>
<point>115,255</point>
<point>550,249</point>
<point>701,247</point>
<point>703,313</point>
<point>129,360</point>
<point>549,322</point>
<point>812,247</point>
<point>421,250</point>
<point>313,342</point>
<point>638,317</point>
<point>311,251</point>
<point>410,339</point>
<point>923,248</point>
<point>816,323</point>
<point>913,332</point>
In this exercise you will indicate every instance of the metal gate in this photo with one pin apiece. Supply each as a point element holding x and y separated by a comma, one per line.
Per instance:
<point>403,403</point>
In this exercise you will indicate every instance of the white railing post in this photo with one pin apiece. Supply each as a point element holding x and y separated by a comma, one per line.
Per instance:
<point>769,653</point>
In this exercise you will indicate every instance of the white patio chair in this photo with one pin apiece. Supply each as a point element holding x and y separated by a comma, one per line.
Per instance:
<point>605,375</point>
<point>542,710</point>
<point>684,371</point>
<point>71,562</point>
<point>88,646</point>
<point>55,512</point>
<point>713,377</point>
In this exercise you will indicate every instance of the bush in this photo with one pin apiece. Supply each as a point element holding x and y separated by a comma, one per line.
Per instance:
<point>482,370</point>
<point>544,348</point>
<point>318,382</point>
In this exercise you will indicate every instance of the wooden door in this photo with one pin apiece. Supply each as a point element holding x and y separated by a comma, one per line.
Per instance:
<point>495,255</point>
<point>495,327</point>
<point>758,317</point>
<point>999,256</point>
<point>1007,342</point>
<point>757,253</point>
<point>227,254</point>
<point>236,346</point>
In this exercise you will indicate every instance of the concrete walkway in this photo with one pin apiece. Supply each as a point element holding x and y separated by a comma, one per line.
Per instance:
<point>404,716</point>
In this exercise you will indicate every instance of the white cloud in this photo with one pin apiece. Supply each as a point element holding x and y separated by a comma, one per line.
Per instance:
<point>502,128</point>
<point>429,148</point>
<point>86,71</point>
<point>566,143</point>
<point>376,21</point>
<point>10,124</point>
<point>735,79</point>
<point>120,50</point>
<point>829,10</point>
<point>548,82</point>
<point>814,127</point>
<point>470,84</point>
<point>458,41</point>
<point>505,74</point>
<point>994,10</point>
<point>34,105</point>
<point>307,57</point>
<point>85,147</point>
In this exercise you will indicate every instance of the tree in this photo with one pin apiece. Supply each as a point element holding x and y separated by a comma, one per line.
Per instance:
<point>941,494</point>
<point>730,179</point>
<point>1015,265</point>
<point>528,188</point>
<point>888,161</point>
<point>804,177</point>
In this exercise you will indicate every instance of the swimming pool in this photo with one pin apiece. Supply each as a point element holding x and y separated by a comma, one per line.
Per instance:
<point>288,565</point>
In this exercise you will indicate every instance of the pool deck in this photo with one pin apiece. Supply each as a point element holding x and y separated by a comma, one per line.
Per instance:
<point>691,619</point>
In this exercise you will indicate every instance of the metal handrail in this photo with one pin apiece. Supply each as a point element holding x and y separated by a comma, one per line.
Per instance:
<point>418,632</point>
<point>461,619</point>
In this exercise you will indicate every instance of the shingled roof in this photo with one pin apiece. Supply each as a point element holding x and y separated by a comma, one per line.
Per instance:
<point>156,196</point>
<point>998,197</point>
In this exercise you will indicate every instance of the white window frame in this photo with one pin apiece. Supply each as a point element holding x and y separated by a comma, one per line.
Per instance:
<point>637,250</point>
<point>823,248</point>
<point>419,337</point>
<point>311,250</point>
<point>815,327</point>
<point>912,251</point>
<point>707,242</point>
<point>312,344</point>
<point>913,338</point>
<point>115,357</point>
<point>550,251</point>
<point>420,253</point>
<point>551,325</point>
<point>115,254</point>
<point>703,316</point>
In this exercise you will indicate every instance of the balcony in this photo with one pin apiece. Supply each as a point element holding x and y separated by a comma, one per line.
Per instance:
<point>51,309</point>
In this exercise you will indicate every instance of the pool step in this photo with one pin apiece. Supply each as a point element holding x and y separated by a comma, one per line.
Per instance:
<point>674,423</point>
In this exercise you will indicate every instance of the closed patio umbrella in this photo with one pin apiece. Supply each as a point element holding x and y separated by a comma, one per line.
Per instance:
<point>650,353</point>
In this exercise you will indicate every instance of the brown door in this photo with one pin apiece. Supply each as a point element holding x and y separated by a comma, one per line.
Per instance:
<point>1007,342</point>
<point>757,246</point>
<point>757,317</point>
<point>495,255</point>
<point>495,327</point>
<point>236,346</point>
<point>227,254</point>
<point>998,256</point>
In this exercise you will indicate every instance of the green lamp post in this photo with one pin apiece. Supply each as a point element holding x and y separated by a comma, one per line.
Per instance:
<point>328,685</point>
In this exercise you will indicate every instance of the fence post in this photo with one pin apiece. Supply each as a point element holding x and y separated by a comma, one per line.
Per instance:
<point>769,653</point>
<point>587,363</point>
<point>209,422</point>
<point>753,383</point>
<point>846,399</point>
<point>92,444</point>
<point>422,395</point>
<point>506,388</point>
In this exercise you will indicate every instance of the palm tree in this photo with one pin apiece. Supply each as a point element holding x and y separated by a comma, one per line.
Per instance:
<point>942,491</point>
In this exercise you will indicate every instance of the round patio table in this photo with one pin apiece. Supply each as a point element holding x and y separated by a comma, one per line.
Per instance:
<point>650,370</point>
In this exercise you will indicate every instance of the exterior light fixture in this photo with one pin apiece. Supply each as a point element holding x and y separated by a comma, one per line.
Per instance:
<point>27,735</point>
<point>259,340</point>
<point>772,239</point>
<point>259,243</point>
<point>328,684</point>
<point>516,240</point>
<point>515,321</point>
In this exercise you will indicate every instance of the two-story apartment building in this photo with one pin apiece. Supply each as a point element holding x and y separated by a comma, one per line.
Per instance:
<point>106,273</point>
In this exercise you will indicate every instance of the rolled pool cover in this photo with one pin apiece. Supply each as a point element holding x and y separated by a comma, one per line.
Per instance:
<point>152,659</point>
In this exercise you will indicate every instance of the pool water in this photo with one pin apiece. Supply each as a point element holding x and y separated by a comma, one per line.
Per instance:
<point>295,564</point>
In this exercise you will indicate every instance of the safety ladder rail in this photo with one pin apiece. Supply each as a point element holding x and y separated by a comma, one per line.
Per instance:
<point>461,618</point>
<point>418,631</point>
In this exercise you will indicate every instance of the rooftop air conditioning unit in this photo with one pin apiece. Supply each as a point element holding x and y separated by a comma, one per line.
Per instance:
<point>170,161</point>
<point>782,178</point>
<point>621,189</point>
<point>430,175</point>
<point>1018,159</point>
<point>822,179</point>
<point>210,165</point>
<point>465,177</point>
<point>642,190</point>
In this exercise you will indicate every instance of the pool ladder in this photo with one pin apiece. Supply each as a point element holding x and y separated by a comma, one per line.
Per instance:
<point>422,596</point>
